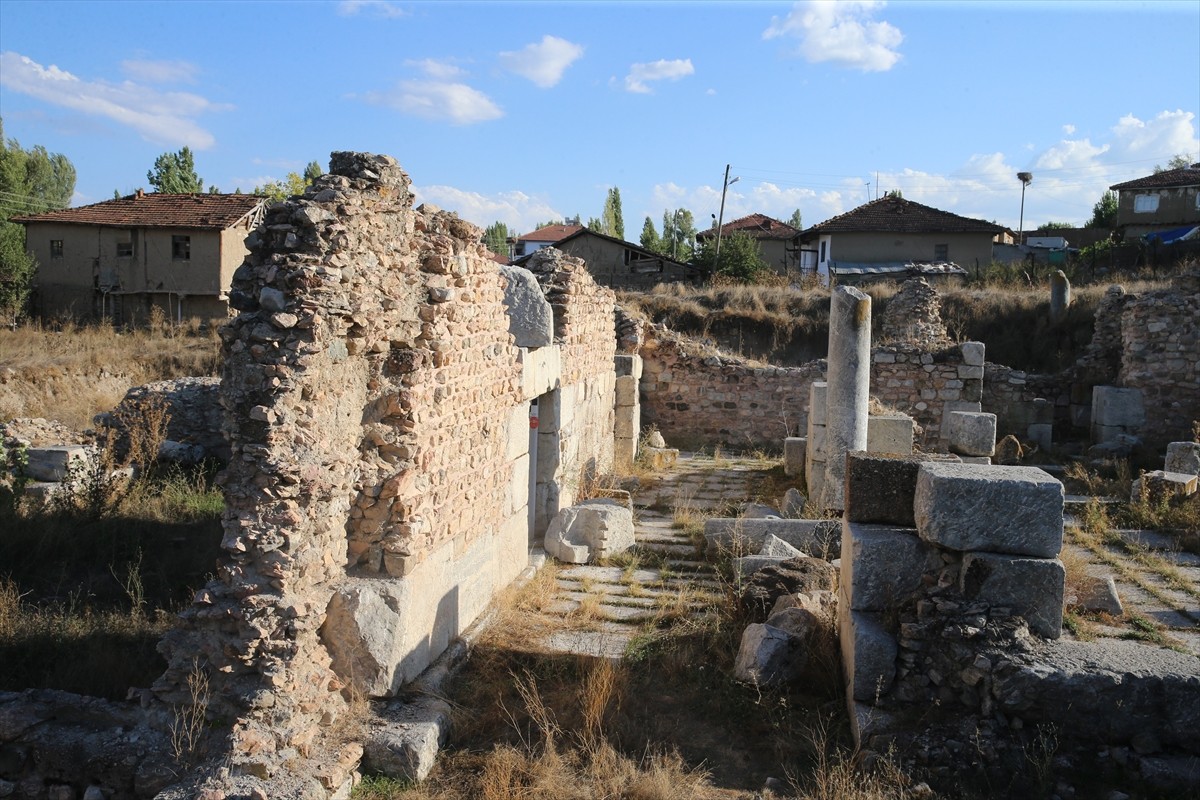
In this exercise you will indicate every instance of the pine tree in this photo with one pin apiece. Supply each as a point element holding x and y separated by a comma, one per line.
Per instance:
<point>650,239</point>
<point>1104,213</point>
<point>495,238</point>
<point>611,218</point>
<point>175,173</point>
<point>796,221</point>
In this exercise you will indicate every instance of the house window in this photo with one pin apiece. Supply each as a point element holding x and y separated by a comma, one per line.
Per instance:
<point>822,259</point>
<point>124,249</point>
<point>181,248</point>
<point>56,249</point>
<point>1145,203</point>
<point>941,252</point>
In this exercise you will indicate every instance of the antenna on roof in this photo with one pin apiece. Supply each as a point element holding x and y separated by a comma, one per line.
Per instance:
<point>868,185</point>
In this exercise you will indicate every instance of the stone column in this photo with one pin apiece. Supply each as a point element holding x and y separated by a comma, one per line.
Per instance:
<point>1060,295</point>
<point>849,387</point>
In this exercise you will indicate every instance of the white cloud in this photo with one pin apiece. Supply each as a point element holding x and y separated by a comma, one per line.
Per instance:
<point>439,101</point>
<point>441,70</point>
<point>1068,129</point>
<point>519,211</point>
<point>844,33</point>
<point>661,70</point>
<point>543,62</point>
<point>162,117</point>
<point>150,71</point>
<point>378,8</point>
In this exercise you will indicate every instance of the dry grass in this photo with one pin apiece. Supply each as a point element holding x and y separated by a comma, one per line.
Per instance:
<point>71,373</point>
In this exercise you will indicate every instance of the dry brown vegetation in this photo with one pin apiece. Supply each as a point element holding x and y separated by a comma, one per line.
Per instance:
<point>72,372</point>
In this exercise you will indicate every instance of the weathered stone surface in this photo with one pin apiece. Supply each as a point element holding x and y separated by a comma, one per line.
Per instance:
<point>406,745</point>
<point>849,381</point>
<point>56,463</point>
<point>363,631</point>
<point>868,654</point>
<point>814,537</point>
<point>790,577</point>
<point>794,448</point>
<point>1106,692</point>
<point>792,506</point>
<point>192,407</point>
<point>882,566</point>
<point>768,656</point>
<point>1098,594</point>
<point>1031,587</point>
<point>1116,410</point>
<point>590,531</point>
<point>746,566</point>
<point>971,434</point>
<point>1017,510</point>
<point>774,547</point>
<point>1158,484</point>
<point>530,318</point>
<point>1183,457</point>
<point>880,488</point>
<point>890,433</point>
<point>1060,294</point>
<point>655,439</point>
<point>759,511</point>
<point>973,353</point>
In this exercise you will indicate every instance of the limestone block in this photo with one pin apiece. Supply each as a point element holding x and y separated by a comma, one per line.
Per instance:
<point>1160,483</point>
<point>627,391</point>
<point>624,451</point>
<point>882,565</point>
<point>816,479</point>
<point>890,433</point>
<point>880,488</point>
<point>817,398</point>
<point>759,511</point>
<point>1041,434</point>
<point>1031,587</point>
<point>519,484</point>
<point>972,353</point>
<point>628,366</point>
<point>971,434</point>
<point>1017,510</point>
<point>775,547</point>
<point>1098,594</point>
<point>950,406</point>
<point>591,530</point>
<point>655,439</point>
<point>793,455</point>
<point>868,654</point>
<point>793,504</point>
<point>518,431</point>
<point>660,457</point>
<point>814,537</point>
<point>768,656</point>
<point>362,630</point>
<point>968,372</point>
<point>541,371</point>
<point>1117,407</point>
<point>817,437</point>
<point>405,744</point>
<point>1183,457</point>
<point>1043,411</point>
<point>55,463</point>
<point>628,424</point>
<point>983,461</point>
<point>745,566</point>
<point>530,318</point>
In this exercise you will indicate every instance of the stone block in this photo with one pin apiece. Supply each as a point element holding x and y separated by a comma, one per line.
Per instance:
<point>1041,434</point>
<point>775,547</point>
<point>1117,407</point>
<point>882,565</point>
<point>817,398</point>
<point>518,431</point>
<point>983,461</point>
<point>971,434</point>
<point>629,424</point>
<point>628,366</point>
<point>405,742</point>
<point>814,475</point>
<point>768,656</point>
<point>890,433</point>
<point>794,448</point>
<point>660,457</point>
<point>1183,457</point>
<point>973,353</point>
<point>1016,510</point>
<point>627,391</point>
<point>590,531</point>
<point>530,318</point>
<point>541,372</point>
<point>1098,594</point>
<point>868,654</point>
<point>880,488</point>
<point>754,510</point>
<point>56,463</point>
<point>745,566</point>
<point>969,372</point>
<point>1031,587</point>
<point>624,451</point>
<point>950,406</point>
<point>1043,411</point>
<point>815,537</point>
<point>1160,483</point>
<point>792,506</point>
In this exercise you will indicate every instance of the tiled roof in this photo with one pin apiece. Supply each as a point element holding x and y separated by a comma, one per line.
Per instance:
<point>1184,176</point>
<point>550,233</point>
<point>897,215</point>
<point>758,226</point>
<point>203,211</point>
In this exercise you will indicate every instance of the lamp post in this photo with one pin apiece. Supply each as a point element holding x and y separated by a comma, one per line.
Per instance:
<point>724,188</point>
<point>1025,178</point>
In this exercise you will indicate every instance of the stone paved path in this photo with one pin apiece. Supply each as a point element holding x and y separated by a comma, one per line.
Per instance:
<point>602,608</point>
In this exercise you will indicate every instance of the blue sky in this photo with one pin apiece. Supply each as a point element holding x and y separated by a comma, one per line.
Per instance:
<point>522,112</point>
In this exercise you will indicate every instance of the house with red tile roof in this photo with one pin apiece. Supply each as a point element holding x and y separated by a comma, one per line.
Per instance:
<point>619,264</point>
<point>1160,203</point>
<point>121,258</point>
<point>545,236</point>
<point>894,236</point>
<point>778,242</point>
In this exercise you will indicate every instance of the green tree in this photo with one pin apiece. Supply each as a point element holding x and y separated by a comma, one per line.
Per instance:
<point>596,225</point>
<point>1178,161</point>
<point>1104,213</point>
<point>175,173</point>
<point>679,234</point>
<point>740,259</point>
<point>1055,226</point>
<point>277,191</point>
<point>31,181</point>
<point>614,224</point>
<point>796,220</point>
<point>495,237</point>
<point>649,238</point>
<point>312,172</point>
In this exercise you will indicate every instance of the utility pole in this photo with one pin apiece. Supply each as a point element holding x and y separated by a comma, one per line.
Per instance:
<point>720,219</point>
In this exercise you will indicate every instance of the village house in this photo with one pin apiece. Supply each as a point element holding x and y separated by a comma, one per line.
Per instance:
<point>529,243</point>
<point>618,264</point>
<point>121,258</point>
<point>778,242</point>
<point>894,236</point>
<point>1166,203</point>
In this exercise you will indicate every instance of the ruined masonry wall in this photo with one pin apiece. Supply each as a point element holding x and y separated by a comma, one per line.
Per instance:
<point>377,495</point>
<point>925,384</point>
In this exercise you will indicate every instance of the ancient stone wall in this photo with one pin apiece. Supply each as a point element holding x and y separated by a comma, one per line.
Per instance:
<point>378,492</point>
<point>926,384</point>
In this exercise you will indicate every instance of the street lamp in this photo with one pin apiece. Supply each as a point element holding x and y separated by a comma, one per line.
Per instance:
<point>721,218</point>
<point>1025,178</point>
